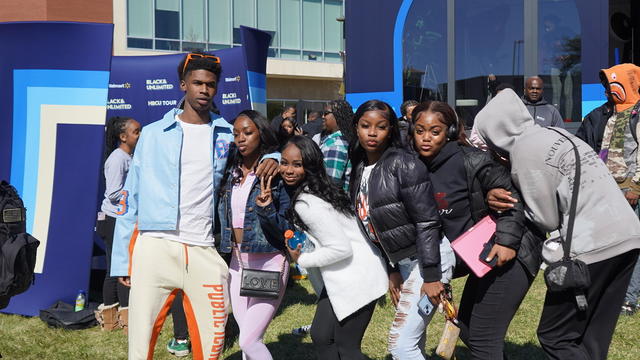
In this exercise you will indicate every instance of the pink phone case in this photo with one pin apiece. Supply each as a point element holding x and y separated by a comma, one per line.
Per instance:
<point>469,245</point>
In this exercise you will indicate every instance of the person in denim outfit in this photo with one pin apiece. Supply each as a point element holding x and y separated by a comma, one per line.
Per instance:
<point>248,242</point>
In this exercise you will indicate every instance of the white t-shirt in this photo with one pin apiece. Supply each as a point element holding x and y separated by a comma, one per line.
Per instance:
<point>195,217</point>
<point>362,204</point>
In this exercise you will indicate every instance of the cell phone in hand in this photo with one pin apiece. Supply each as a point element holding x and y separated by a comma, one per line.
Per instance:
<point>485,252</point>
<point>425,307</point>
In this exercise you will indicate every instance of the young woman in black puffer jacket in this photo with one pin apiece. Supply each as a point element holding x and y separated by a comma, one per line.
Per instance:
<point>392,194</point>
<point>462,177</point>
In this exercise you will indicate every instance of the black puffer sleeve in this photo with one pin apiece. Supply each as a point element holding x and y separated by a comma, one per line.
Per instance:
<point>416,192</point>
<point>509,224</point>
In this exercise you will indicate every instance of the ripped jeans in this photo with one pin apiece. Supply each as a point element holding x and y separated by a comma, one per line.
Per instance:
<point>407,335</point>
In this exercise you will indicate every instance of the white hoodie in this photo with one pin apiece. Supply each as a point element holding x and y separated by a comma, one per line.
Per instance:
<point>543,168</point>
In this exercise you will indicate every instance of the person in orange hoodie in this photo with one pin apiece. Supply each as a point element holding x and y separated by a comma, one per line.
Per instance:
<point>619,149</point>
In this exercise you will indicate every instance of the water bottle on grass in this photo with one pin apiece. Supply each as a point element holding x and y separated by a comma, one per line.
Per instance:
<point>81,299</point>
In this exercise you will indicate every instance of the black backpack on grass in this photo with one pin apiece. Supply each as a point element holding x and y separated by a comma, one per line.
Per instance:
<point>17,248</point>
<point>63,315</point>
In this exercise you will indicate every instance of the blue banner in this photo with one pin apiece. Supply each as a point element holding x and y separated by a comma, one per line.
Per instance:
<point>256,47</point>
<point>146,87</point>
<point>55,76</point>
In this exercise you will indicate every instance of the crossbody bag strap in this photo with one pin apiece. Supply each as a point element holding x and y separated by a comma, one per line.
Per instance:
<point>236,249</point>
<point>566,244</point>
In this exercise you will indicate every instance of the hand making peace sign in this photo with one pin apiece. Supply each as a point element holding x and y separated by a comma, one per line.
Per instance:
<point>264,198</point>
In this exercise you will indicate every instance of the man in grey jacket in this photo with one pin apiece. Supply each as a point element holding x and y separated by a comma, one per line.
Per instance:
<point>543,113</point>
<point>606,235</point>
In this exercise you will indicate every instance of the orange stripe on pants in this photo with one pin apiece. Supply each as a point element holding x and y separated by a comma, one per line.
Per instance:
<point>158,271</point>
<point>157,325</point>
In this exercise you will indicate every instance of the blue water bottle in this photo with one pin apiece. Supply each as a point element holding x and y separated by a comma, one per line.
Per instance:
<point>295,238</point>
<point>81,299</point>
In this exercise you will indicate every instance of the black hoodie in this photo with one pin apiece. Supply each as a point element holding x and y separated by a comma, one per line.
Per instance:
<point>451,190</point>
<point>461,178</point>
<point>543,113</point>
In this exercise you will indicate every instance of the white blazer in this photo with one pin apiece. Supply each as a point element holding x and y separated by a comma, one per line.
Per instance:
<point>352,269</point>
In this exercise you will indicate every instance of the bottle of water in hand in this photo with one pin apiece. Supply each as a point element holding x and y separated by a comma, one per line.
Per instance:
<point>295,238</point>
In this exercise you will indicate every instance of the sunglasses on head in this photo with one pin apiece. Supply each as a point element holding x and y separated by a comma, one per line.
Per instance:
<point>192,56</point>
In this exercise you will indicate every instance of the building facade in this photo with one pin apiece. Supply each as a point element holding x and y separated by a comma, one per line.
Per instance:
<point>304,64</point>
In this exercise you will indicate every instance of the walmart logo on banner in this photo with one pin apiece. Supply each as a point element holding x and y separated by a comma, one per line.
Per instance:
<point>44,99</point>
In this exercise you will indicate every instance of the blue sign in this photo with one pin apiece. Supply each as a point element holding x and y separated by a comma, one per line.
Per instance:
<point>146,87</point>
<point>51,136</point>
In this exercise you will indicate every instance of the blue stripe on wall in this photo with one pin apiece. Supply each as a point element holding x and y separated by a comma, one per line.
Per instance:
<point>26,119</point>
<point>22,80</point>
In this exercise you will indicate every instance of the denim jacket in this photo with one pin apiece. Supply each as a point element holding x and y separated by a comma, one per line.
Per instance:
<point>150,196</point>
<point>264,227</point>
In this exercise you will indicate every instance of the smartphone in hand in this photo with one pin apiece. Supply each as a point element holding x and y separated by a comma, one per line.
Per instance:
<point>485,252</point>
<point>425,307</point>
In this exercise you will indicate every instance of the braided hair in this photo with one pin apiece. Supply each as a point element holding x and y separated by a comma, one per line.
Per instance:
<point>343,112</point>
<point>116,126</point>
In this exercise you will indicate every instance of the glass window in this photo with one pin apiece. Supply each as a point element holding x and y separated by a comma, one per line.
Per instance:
<point>168,45</point>
<point>193,46</point>
<point>213,47</point>
<point>489,40</point>
<point>193,21</point>
<point>290,54</point>
<point>290,24</point>
<point>332,27</point>
<point>139,22</point>
<point>299,29</point>
<point>219,22</point>
<point>167,19</point>
<point>268,19</point>
<point>243,14</point>
<point>312,56</point>
<point>140,43</point>
<point>312,24</point>
<point>169,5</point>
<point>424,46</point>
<point>559,60</point>
<point>332,57</point>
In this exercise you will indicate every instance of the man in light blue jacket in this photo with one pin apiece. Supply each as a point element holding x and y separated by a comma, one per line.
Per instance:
<point>163,241</point>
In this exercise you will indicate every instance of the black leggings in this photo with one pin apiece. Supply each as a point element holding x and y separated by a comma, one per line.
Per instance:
<point>112,290</point>
<point>568,333</point>
<point>339,340</point>
<point>487,307</point>
<point>180,330</point>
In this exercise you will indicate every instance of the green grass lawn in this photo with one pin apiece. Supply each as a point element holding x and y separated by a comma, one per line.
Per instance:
<point>30,338</point>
